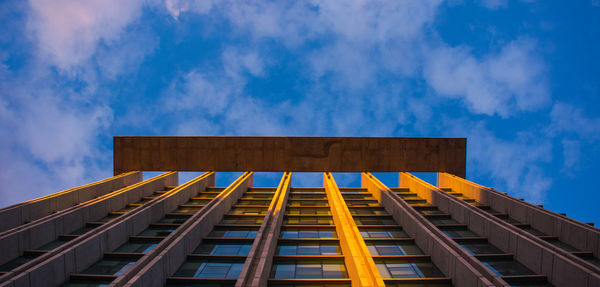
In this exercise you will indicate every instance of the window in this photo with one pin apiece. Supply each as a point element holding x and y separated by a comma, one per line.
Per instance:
<point>308,234</point>
<point>308,220</point>
<point>110,267</point>
<point>308,196</point>
<point>379,233</point>
<point>309,210</point>
<point>386,249</point>
<point>442,221</point>
<point>249,210</point>
<point>323,203</point>
<point>309,249</point>
<point>481,248</point>
<point>223,249</point>
<point>243,233</point>
<point>508,268</point>
<point>136,247</point>
<point>308,270</point>
<point>374,221</point>
<point>390,269</point>
<point>156,232</point>
<point>376,211</point>
<point>242,220</point>
<point>205,269</point>
<point>457,233</point>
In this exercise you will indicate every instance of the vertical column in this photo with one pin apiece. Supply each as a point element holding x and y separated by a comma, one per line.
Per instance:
<point>258,264</point>
<point>360,264</point>
<point>175,250</point>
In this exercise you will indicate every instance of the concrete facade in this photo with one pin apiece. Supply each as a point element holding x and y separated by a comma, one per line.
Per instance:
<point>123,231</point>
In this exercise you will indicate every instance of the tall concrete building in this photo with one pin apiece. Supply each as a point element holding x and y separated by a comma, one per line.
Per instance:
<point>126,231</point>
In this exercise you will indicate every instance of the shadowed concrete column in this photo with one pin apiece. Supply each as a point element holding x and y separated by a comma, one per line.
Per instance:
<point>257,267</point>
<point>154,268</point>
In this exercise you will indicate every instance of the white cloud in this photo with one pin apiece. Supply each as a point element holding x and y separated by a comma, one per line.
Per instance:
<point>571,154</point>
<point>569,119</point>
<point>201,92</point>
<point>237,63</point>
<point>516,165</point>
<point>494,4</point>
<point>51,139</point>
<point>176,7</point>
<point>503,83</point>
<point>67,32</point>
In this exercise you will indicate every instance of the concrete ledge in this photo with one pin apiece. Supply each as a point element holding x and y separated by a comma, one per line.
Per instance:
<point>298,154</point>
<point>257,268</point>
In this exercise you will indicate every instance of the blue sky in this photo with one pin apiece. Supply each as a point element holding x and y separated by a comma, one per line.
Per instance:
<point>519,79</point>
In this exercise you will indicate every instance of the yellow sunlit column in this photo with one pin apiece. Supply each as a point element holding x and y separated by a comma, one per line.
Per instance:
<point>361,267</point>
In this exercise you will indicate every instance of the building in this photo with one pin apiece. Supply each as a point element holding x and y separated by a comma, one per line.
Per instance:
<point>125,231</point>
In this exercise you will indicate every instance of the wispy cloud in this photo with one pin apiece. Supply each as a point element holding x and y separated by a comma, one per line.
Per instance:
<point>67,32</point>
<point>516,165</point>
<point>502,83</point>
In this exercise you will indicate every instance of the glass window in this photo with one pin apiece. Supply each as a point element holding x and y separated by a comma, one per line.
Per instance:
<point>308,234</point>
<point>254,202</point>
<point>136,247</point>
<point>309,270</point>
<point>109,266</point>
<point>174,218</point>
<point>54,244</point>
<point>442,221</point>
<point>249,210</point>
<point>156,232</point>
<point>309,249</point>
<point>361,203</point>
<point>374,233</point>
<point>308,211</point>
<point>258,196</point>
<point>376,211</point>
<point>223,249</point>
<point>458,233</point>
<point>308,196</point>
<point>508,268</point>
<point>323,203</point>
<point>10,265</point>
<point>390,269</point>
<point>243,233</point>
<point>206,269</point>
<point>308,220</point>
<point>374,221</point>
<point>394,248</point>
<point>481,248</point>
<point>251,220</point>
<point>295,189</point>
